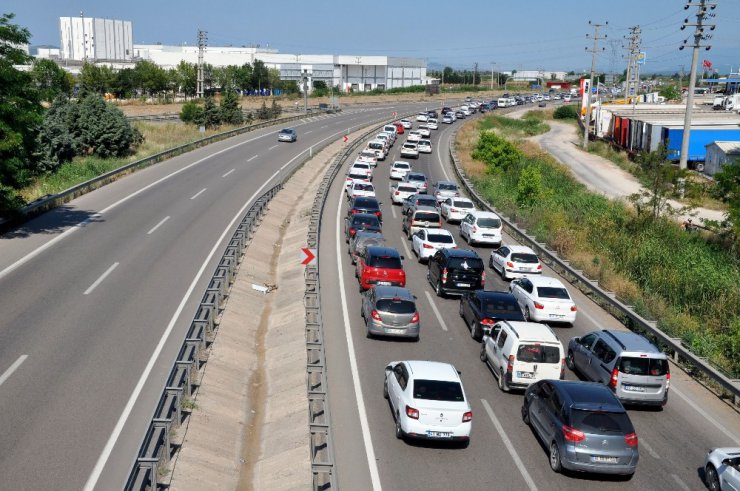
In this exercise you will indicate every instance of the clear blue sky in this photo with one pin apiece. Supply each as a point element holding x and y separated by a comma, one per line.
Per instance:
<point>535,34</point>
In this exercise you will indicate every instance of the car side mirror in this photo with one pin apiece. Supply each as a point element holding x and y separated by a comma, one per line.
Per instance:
<point>486,331</point>
<point>403,258</point>
<point>577,339</point>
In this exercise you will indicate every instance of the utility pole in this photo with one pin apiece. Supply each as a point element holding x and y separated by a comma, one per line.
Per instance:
<point>680,81</point>
<point>475,71</point>
<point>701,15</point>
<point>305,90</point>
<point>632,83</point>
<point>202,41</point>
<point>595,50</point>
<point>492,65</point>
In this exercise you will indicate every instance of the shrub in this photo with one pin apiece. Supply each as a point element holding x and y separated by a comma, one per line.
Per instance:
<point>566,112</point>
<point>496,152</point>
<point>263,113</point>
<point>230,110</point>
<point>191,112</point>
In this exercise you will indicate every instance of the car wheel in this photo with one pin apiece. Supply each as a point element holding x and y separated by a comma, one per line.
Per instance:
<point>438,289</point>
<point>569,361</point>
<point>483,354</point>
<point>502,381</point>
<point>525,414</point>
<point>385,388</point>
<point>399,430</point>
<point>490,263</point>
<point>460,311</point>
<point>555,457</point>
<point>527,316</point>
<point>475,331</point>
<point>712,478</point>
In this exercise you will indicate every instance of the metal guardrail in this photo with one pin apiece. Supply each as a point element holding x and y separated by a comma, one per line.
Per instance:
<point>604,298</point>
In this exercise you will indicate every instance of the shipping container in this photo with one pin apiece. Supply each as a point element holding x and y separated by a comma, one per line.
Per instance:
<point>699,138</point>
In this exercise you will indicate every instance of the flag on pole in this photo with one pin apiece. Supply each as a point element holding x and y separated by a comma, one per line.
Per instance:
<point>707,65</point>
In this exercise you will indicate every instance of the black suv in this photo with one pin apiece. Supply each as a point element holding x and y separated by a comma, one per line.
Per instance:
<point>365,204</point>
<point>456,271</point>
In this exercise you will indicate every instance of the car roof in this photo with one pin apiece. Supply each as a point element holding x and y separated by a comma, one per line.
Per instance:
<point>545,281</point>
<point>445,182</point>
<point>438,231</point>
<point>382,251</point>
<point>494,295</point>
<point>401,162</point>
<point>533,331</point>
<point>382,291</point>
<point>368,234</point>
<point>630,341</point>
<point>588,395</point>
<point>416,174</point>
<point>484,214</point>
<point>364,199</point>
<point>460,198</point>
<point>520,249</point>
<point>426,208</point>
<point>425,197</point>
<point>365,216</point>
<point>433,370</point>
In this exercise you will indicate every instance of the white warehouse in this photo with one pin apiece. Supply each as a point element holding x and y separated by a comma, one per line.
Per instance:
<point>91,39</point>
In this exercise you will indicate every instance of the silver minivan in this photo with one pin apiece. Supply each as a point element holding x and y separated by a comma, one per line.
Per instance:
<point>630,365</point>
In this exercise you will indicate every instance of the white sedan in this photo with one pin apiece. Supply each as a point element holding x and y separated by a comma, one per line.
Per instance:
<point>424,131</point>
<point>422,117</point>
<point>361,189</point>
<point>406,124</point>
<point>425,146</point>
<point>401,191</point>
<point>455,209</point>
<point>428,401</point>
<point>414,136</point>
<point>544,299</point>
<point>481,227</point>
<point>426,242</point>
<point>368,156</point>
<point>722,468</point>
<point>432,124</point>
<point>410,150</point>
<point>515,261</point>
<point>399,169</point>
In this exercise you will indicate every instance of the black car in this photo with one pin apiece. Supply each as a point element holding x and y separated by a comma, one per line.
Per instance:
<point>446,110</point>
<point>482,309</point>
<point>365,204</point>
<point>360,221</point>
<point>456,271</point>
<point>432,114</point>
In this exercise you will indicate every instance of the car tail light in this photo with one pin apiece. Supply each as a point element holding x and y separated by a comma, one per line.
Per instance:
<point>375,315</point>
<point>427,246</point>
<point>444,275</point>
<point>352,231</point>
<point>573,308</point>
<point>539,306</point>
<point>487,322</point>
<point>510,364</point>
<point>539,267</point>
<point>483,279</point>
<point>378,214</point>
<point>454,210</point>
<point>355,211</point>
<point>415,318</point>
<point>398,193</point>
<point>614,378</point>
<point>631,439</point>
<point>509,264</point>
<point>467,417</point>
<point>572,434</point>
<point>412,413</point>
<point>668,379</point>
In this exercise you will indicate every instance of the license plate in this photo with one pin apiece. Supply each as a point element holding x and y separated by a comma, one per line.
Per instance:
<point>556,316</point>
<point>439,434</point>
<point>604,460</point>
<point>488,236</point>
<point>395,331</point>
<point>524,374</point>
<point>384,283</point>
<point>467,285</point>
<point>634,388</point>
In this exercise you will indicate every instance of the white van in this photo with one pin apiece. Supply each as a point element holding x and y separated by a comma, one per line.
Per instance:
<point>522,353</point>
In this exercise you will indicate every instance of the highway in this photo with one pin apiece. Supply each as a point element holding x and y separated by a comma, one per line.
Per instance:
<point>97,296</point>
<point>503,452</point>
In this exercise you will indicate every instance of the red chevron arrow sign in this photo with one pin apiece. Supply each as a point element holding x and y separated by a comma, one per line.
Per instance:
<point>309,256</point>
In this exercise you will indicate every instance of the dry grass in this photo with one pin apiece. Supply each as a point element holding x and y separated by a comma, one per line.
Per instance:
<point>467,137</point>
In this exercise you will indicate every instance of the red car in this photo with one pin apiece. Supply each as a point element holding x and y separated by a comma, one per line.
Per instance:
<point>399,127</point>
<point>380,266</point>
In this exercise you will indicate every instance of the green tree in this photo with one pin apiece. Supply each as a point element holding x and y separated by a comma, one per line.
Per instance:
<point>126,83</point>
<point>191,112</point>
<point>51,80</point>
<point>670,92</point>
<point>20,114</point>
<point>567,111</point>
<point>102,129</point>
<point>96,79</point>
<point>263,113</point>
<point>244,77</point>
<point>211,117</point>
<point>150,78</point>
<point>187,78</point>
<point>275,109</point>
<point>496,152</point>
<point>260,75</point>
<point>231,111</point>
<point>728,190</point>
<point>661,175</point>
<point>529,189</point>
<point>57,142</point>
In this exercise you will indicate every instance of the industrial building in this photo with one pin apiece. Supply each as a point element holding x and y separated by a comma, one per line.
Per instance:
<point>96,40</point>
<point>720,153</point>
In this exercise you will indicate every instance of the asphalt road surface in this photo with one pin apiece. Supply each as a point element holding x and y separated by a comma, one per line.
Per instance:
<point>97,296</point>
<point>503,452</point>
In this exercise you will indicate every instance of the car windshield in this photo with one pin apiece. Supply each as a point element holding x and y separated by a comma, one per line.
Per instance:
<point>440,238</point>
<point>358,165</point>
<point>489,222</point>
<point>447,187</point>
<point>500,306</point>
<point>424,216</point>
<point>410,146</point>
<point>520,257</point>
<point>600,421</point>
<point>553,292</point>
<point>286,132</point>
<point>437,390</point>
<point>386,262</point>
<point>643,366</point>
<point>395,306</point>
<point>538,353</point>
<point>466,263</point>
<point>370,241</point>
<point>463,204</point>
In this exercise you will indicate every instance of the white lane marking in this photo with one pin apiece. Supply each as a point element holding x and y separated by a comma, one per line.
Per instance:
<point>650,450</point>
<point>252,158</point>
<point>706,415</point>
<point>680,483</point>
<point>364,426</point>
<point>198,193</point>
<point>232,170</point>
<point>274,146</point>
<point>393,210</point>
<point>322,127</point>
<point>442,165</point>
<point>408,251</point>
<point>509,446</point>
<point>100,280</point>
<point>6,375</point>
<point>589,317</point>
<point>307,132</point>
<point>436,311</point>
<point>158,225</point>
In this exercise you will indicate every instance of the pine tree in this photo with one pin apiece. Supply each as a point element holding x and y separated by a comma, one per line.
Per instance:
<point>231,111</point>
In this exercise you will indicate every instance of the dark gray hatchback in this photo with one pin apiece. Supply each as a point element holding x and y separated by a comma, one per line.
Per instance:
<point>583,425</point>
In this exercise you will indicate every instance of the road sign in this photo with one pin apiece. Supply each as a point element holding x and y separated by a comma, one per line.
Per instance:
<point>345,138</point>
<point>309,256</point>
<point>394,114</point>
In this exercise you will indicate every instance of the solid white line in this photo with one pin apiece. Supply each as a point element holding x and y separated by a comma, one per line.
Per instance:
<point>409,253</point>
<point>680,483</point>
<point>158,225</point>
<point>100,280</point>
<point>509,446</point>
<point>198,193</point>
<point>274,146</point>
<point>322,127</point>
<point>441,164</point>
<point>307,132</point>
<point>6,375</point>
<point>393,210</point>
<point>252,158</point>
<point>436,312</point>
<point>232,170</point>
<point>650,450</point>
<point>699,410</point>
<point>364,426</point>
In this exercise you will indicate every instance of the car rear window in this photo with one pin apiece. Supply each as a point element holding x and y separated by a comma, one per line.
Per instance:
<point>407,189</point>
<point>401,166</point>
<point>643,366</point>
<point>358,165</point>
<point>362,186</point>
<point>436,390</point>
<point>524,258</point>
<point>387,262</point>
<point>357,175</point>
<point>463,204</point>
<point>424,216</point>
<point>440,238</point>
<point>552,292</point>
<point>500,306</point>
<point>366,220</point>
<point>447,187</point>
<point>395,306</point>
<point>416,177</point>
<point>474,263</point>
<point>600,421</point>
<point>489,222</point>
<point>366,202</point>
<point>538,353</point>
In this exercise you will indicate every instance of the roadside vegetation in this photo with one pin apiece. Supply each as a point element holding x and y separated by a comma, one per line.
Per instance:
<point>688,282</point>
<point>531,124</point>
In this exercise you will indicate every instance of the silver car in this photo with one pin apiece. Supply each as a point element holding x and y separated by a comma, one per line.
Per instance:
<point>445,189</point>
<point>390,311</point>
<point>287,135</point>
<point>362,240</point>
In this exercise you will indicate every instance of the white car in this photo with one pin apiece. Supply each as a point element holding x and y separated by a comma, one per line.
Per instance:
<point>365,189</point>
<point>424,131</point>
<point>455,209</point>
<point>442,190</point>
<point>544,299</point>
<point>354,177</point>
<point>722,469</point>
<point>358,167</point>
<point>428,401</point>
<point>432,124</point>
<point>447,118</point>
<point>414,136</point>
<point>481,227</point>
<point>385,137</point>
<point>368,156</point>
<point>566,98</point>
<point>406,124</point>
<point>515,261</point>
<point>399,169</point>
<point>378,147</point>
<point>427,241</point>
<point>401,191</point>
<point>410,150</point>
<point>422,117</point>
<point>424,146</point>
